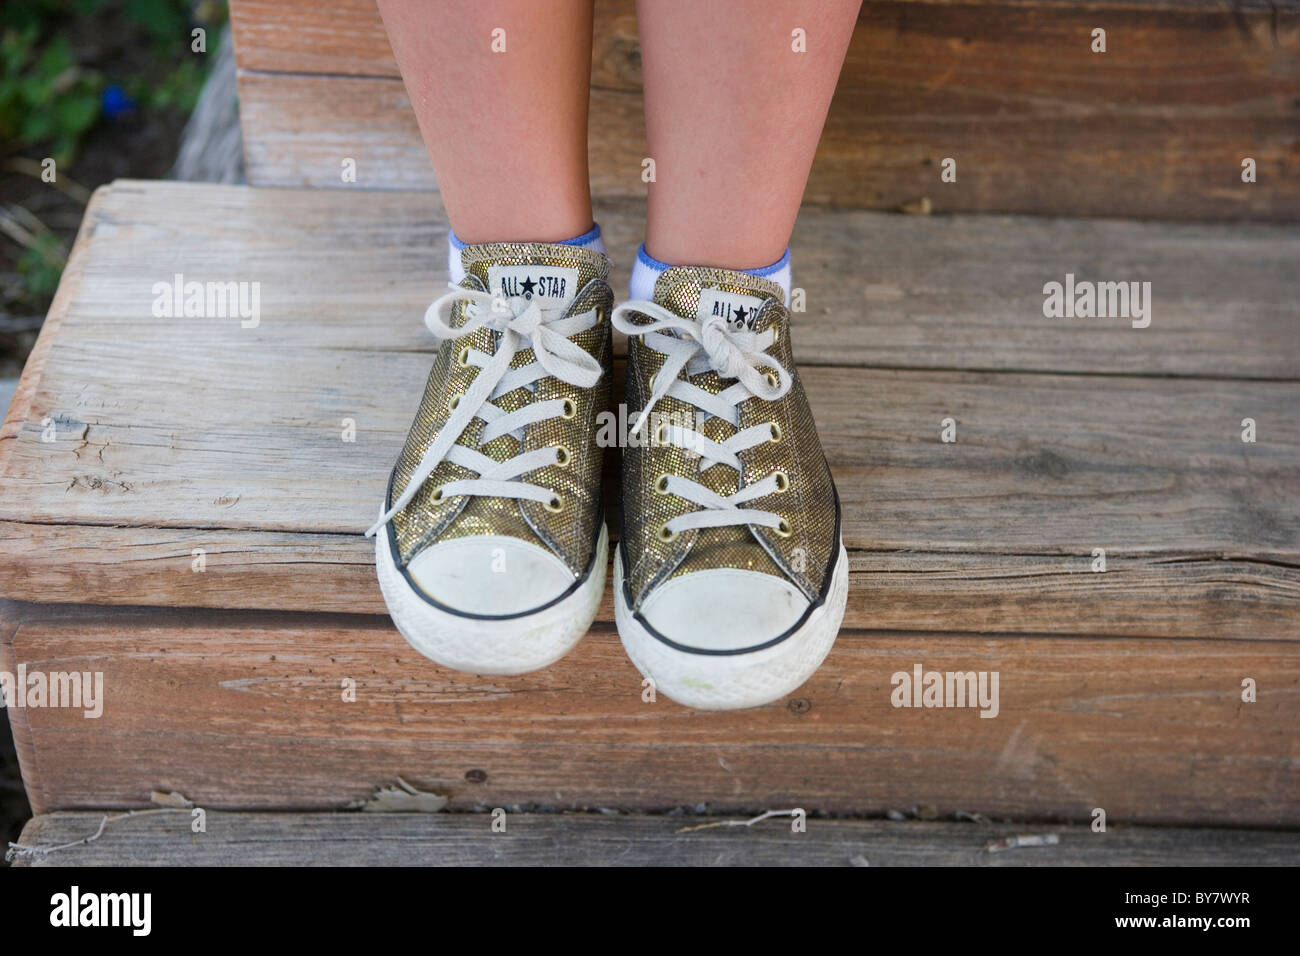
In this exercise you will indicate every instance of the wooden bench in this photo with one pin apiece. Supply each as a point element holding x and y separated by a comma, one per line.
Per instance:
<point>1157,126</point>
<point>181,509</point>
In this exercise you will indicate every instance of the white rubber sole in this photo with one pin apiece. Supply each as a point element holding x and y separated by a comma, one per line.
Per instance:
<point>734,681</point>
<point>515,645</point>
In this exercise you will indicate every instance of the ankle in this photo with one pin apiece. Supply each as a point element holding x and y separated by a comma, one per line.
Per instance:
<point>647,270</point>
<point>591,239</point>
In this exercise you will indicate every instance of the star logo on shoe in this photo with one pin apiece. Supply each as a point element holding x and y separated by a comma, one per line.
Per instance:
<point>739,311</point>
<point>551,287</point>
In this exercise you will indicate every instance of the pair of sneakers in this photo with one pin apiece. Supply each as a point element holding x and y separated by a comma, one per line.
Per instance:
<point>730,578</point>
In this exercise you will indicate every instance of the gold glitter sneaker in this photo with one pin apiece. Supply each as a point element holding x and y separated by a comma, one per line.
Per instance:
<point>490,545</point>
<point>730,579</point>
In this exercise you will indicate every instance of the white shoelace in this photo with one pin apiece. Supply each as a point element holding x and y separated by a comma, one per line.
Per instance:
<point>547,334</point>
<point>734,354</point>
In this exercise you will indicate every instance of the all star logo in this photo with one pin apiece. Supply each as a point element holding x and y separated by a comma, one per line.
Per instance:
<point>738,311</point>
<point>553,286</point>
<point>545,287</point>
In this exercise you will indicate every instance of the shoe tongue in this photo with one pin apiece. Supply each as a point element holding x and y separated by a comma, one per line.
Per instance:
<point>523,272</point>
<point>697,292</point>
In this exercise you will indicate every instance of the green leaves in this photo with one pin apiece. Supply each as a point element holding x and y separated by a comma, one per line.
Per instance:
<point>41,265</point>
<point>44,95</point>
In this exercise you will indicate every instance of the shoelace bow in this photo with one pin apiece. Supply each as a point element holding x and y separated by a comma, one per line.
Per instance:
<point>547,334</point>
<point>734,354</point>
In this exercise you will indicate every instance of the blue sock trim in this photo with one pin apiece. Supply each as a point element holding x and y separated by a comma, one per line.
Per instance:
<point>773,268</point>
<point>651,262</point>
<point>590,236</point>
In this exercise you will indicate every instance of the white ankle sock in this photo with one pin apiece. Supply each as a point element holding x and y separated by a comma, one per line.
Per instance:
<point>647,269</point>
<point>588,240</point>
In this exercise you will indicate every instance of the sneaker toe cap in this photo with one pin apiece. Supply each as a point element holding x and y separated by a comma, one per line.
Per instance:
<point>490,575</point>
<point>724,609</point>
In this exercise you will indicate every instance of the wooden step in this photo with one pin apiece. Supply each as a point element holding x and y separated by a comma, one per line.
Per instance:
<point>175,434</point>
<point>246,710</point>
<point>406,839</point>
<point>1120,690</point>
<point>1157,126</point>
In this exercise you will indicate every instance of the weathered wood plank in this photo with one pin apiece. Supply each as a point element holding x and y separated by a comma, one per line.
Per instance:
<point>10,617</point>
<point>299,130</point>
<point>246,710</point>
<point>1205,595</point>
<point>368,839</point>
<point>924,292</point>
<point>347,37</point>
<point>1155,127</point>
<point>164,445</point>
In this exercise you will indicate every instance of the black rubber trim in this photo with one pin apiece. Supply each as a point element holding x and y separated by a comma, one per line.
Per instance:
<point>803,619</point>
<point>419,592</point>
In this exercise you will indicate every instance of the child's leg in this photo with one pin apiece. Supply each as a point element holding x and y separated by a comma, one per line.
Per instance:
<point>507,131</point>
<point>490,546</point>
<point>731,577</point>
<point>733,115</point>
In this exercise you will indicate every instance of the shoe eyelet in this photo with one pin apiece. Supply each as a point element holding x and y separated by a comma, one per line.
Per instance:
<point>453,402</point>
<point>782,481</point>
<point>661,485</point>
<point>776,432</point>
<point>437,494</point>
<point>661,435</point>
<point>772,380</point>
<point>784,529</point>
<point>776,335</point>
<point>462,357</point>
<point>555,505</point>
<point>666,535</point>
<point>562,455</point>
<point>651,383</point>
<point>570,409</point>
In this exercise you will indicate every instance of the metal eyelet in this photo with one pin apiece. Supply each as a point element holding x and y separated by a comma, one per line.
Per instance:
<point>437,494</point>
<point>661,435</point>
<point>784,529</point>
<point>782,481</point>
<point>555,505</point>
<point>661,485</point>
<point>570,409</point>
<point>453,402</point>
<point>562,455</point>
<point>776,335</point>
<point>462,358</point>
<point>772,380</point>
<point>665,534</point>
<point>776,432</point>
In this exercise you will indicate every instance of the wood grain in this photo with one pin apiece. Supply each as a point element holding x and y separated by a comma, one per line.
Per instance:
<point>347,37</point>
<point>1156,127</point>
<point>363,839</point>
<point>164,444</point>
<point>245,710</point>
<point>10,616</point>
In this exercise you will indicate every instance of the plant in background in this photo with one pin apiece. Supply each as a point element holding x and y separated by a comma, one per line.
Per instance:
<point>45,96</point>
<point>68,67</point>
